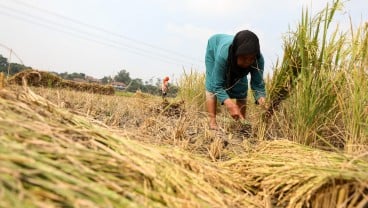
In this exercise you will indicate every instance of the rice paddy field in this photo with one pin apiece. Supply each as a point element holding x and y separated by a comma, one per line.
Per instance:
<point>308,148</point>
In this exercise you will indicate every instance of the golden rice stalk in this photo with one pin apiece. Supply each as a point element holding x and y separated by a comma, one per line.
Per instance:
<point>2,80</point>
<point>304,53</point>
<point>294,175</point>
<point>52,158</point>
<point>192,88</point>
<point>46,79</point>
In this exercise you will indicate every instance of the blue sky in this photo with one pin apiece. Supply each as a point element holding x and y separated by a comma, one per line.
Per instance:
<point>148,38</point>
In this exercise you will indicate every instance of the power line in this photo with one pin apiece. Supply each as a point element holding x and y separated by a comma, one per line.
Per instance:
<point>104,30</point>
<point>86,34</point>
<point>86,38</point>
<point>12,52</point>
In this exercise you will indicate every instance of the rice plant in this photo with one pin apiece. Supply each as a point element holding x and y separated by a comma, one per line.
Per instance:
<point>312,80</point>
<point>2,80</point>
<point>353,99</point>
<point>192,88</point>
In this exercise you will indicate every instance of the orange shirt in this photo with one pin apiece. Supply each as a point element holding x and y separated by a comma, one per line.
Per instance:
<point>164,85</point>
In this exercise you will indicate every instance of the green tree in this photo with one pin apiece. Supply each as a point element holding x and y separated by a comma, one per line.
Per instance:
<point>123,76</point>
<point>148,88</point>
<point>63,74</point>
<point>77,75</point>
<point>106,79</point>
<point>173,90</point>
<point>158,83</point>
<point>3,64</point>
<point>135,84</point>
<point>66,75</point>
<point>13,68</point>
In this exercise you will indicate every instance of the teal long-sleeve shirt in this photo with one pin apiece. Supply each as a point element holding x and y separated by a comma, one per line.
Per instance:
<point>216,66</point>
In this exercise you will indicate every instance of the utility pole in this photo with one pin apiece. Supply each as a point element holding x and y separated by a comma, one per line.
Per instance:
<point>9,60</point>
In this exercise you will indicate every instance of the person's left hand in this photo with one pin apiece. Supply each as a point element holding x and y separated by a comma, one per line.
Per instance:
<point>262,101</point>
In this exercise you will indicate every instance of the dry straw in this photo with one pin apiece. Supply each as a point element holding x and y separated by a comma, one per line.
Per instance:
<point>192,89</point>
<point>2,80</point>
<point>52,158</point>
<point>47,79</point>
<point>292,175</point>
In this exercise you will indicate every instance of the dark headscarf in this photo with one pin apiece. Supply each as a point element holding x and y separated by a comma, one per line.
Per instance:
<point>245,42</point>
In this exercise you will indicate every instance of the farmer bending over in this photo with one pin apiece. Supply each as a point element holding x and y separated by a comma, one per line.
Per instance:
<point>165,86</point>
<point>229,60</point>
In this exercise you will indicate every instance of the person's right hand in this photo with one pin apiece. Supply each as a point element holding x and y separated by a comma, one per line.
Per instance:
<point>233,109</point>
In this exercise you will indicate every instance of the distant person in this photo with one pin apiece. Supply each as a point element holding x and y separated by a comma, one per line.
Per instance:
<point>229,60</point>
<point>165,86</point>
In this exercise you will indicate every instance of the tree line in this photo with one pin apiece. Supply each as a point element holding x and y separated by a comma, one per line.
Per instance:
<point>132,85</point>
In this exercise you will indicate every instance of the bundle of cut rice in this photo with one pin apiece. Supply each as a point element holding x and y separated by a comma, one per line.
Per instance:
<point>46,79</point>
<point>293,175</point>
<point>52,158</point>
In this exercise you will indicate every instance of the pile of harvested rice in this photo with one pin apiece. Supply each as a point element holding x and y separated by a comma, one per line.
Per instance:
<point>52,158</point>
<point>47,79</point>
<point>292,175</point>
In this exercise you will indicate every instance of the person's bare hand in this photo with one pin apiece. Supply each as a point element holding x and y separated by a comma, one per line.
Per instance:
<point>233,109</point>
<point>262,101</point>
